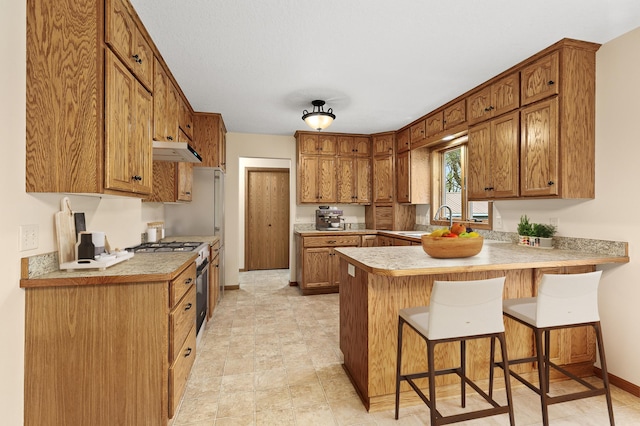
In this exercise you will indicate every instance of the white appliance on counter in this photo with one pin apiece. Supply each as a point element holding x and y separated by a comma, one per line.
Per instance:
<point>204,215</point>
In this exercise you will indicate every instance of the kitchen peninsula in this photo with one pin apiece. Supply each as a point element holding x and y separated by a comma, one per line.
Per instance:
<point>376,282</point>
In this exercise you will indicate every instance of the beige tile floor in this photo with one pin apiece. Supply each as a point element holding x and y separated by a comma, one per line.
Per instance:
<point>271,357</point>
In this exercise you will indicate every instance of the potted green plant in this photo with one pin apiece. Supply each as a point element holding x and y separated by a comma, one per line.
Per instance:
<point>544,234</point>
<point>525,230</point>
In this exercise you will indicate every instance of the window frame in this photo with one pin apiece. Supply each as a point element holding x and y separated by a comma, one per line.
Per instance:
<point>437,153</point>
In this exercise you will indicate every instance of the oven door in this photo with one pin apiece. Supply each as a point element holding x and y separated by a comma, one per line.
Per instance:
<point>202,296</point>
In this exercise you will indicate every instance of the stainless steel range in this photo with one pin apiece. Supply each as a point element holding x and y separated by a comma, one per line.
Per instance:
<point>202,274</point>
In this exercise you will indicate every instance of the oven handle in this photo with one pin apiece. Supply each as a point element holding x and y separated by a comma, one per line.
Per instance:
<point>202,267</point>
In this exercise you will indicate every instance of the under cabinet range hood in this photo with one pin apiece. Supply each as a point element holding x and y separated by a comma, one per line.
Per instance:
<point>175,151</point>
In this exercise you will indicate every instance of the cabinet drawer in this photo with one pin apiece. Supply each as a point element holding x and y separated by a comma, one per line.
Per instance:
<point>181,320</point>
<point>181,284</point>
<point>332,241</point>
<point>179,371</point>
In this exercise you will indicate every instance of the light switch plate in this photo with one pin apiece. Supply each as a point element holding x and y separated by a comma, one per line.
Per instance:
<point>28,237</point>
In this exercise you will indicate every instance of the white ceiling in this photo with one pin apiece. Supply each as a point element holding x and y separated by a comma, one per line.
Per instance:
<point>378,64</point>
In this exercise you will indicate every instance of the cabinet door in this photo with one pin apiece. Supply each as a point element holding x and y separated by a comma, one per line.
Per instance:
<point>402,177</point>
<point>185,119</point>
<point>127,117</point>
<point>383,179</point>
<point>160,95</point>
<point>539,149</point>
<point>345,145</point>
<point>362,146</point>
<point>479,152</point>
<point>346,178</point>
<point>308,179</point>
<point>128,43</point>
<point>363,180</point>
<point>540,79</point>
<point>164,182</point>
<point>383,145</point>
<point>317,267</point>
<point>327,182</point>
<point>435,124</point>
<point>480,106</point>
<point>403,140</point>
<point>327,145</point>
<point>504,156</point>
<point>455,114</point>
<point>418,133</point>
<point>308,144</point>
<point>505,94</point>
<point>185,181</point>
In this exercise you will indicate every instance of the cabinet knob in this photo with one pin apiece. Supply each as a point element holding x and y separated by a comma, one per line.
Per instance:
<point>550,183</point>
<point>187,352</point>
<point>188,281</point>
<point>188,306</point>
<point>550,82</point>
<point>169,138</point>
<point>136,178</point>
<point>136,58</point>
<point>188,193</point>
<point>188,126</point>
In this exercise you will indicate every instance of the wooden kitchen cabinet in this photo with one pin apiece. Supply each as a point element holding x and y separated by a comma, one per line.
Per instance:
<point>210,140</point>
<point>382,144</point>
<point>185,119</point>
<point>121,355</point>
<point>454,114</point>
<point>184,181</point>
<point>318,144</point>
<point>316,179</point>
<point>383,179</point>
<point>495,99</point>
<point>317,263</point>
<point>128,112</point>
<point>359,146</point>
<point>541,79</point>
<point>493,149</point>
<point>71,108</point>
<point>390,216</point>
<point>403,140</point>
<point>434,123</point>
<point>418,133</point>
<point>413,176</point>
<point>214,278</point>
<point>172,181</point>
<point>354,180</point>
<point>127,41</point>
<point>166,104</point>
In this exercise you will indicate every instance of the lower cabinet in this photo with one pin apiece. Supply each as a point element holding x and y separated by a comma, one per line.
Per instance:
<point>108,354</point>
<point>214,278</point>
<point>317,264</point>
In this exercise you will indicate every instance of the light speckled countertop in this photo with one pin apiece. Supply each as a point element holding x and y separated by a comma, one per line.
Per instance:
<point>142,267</point>
<point>495,255</point>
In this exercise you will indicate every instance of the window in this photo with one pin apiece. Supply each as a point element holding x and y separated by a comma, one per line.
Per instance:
<point>449,165</point>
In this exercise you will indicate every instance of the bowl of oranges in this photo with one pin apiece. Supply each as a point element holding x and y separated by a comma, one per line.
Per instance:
<point>454,242</point>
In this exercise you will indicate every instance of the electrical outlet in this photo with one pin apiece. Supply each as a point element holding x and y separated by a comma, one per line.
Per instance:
<point>555,222</point>
<point>28,237</point>
<point>497,222</point>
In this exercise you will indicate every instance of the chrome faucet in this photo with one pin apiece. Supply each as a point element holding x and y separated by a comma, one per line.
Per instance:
<point>444,206</point>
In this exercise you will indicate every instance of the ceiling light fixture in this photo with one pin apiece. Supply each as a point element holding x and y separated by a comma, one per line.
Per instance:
<point>318,119</point>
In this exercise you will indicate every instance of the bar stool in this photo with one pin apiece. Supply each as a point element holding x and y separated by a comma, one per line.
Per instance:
<point>458,311</point>
<point>563,301</point>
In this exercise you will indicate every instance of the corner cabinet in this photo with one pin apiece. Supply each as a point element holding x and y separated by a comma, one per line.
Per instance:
<point>87,114</point>
<point>318,267</point>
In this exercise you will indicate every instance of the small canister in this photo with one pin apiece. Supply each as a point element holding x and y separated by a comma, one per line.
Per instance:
<point>152,235</point>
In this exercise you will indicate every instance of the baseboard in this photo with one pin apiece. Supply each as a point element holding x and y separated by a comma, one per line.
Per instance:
<point>293,284</point>
<point>232,287</point>
<point>619,382</point>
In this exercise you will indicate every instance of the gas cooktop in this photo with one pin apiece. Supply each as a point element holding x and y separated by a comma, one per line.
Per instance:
<point>165,246</point>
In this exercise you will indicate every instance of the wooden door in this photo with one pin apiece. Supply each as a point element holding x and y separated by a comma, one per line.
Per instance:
<point>402,177</point>
<point>383,179</point>
<point>504,156</point>
<point>345,180</point>
<point>362,180</point>
<point>479,173</point>
<point>540,79</point>
<point>141,162</point>
<point>267,219</point>
<point>327,182</point>
<point>308,179</point>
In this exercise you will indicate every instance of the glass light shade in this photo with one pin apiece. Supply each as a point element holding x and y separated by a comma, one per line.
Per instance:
<point>318,120</point>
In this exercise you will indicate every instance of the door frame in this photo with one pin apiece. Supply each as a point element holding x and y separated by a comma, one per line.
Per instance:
<point>246,209</point>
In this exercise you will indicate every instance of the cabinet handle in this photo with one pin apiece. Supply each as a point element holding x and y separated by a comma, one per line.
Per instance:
<point>188,306</point>
<point>187,352</point>
<point>136,58</point>
<point>188,193</point>
<point>551,82</point>
<point>489,108</point>
<point>550,183</point>
<point>188,126</point>
<point>188,281</point>
<point>332,241</point>
<point>169,138</point>
<point>136,177</point>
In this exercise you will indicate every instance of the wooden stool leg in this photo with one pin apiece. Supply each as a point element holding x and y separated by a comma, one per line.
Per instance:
<point>542,377</point>
<point>432,380</point>
<point>399,362</point>
<point>507,376</point>
<point>492,360</point>
<point>463,373</point>
<point>605,374</point>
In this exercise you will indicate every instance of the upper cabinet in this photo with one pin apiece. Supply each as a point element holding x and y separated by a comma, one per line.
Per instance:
<point>127,42</point>
<point>166,106</point>
<point>541,79</point>
<point>494,99</point>
<point>210,140</point>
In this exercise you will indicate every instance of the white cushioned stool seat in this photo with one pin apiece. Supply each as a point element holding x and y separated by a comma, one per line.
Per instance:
<point>563,301</point>
<point>457,311</point>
